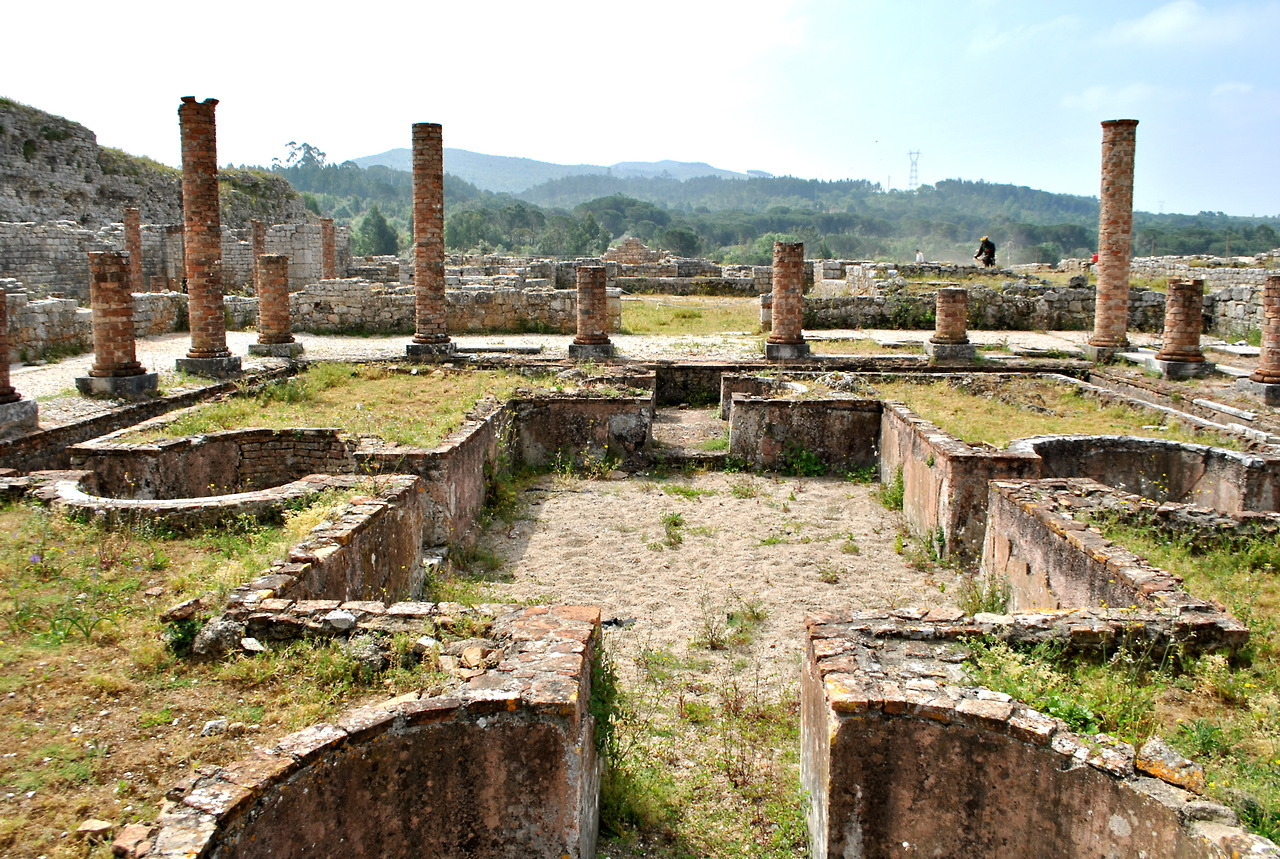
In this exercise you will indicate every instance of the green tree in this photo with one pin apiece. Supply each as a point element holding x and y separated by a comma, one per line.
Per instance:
<point>375,235</point>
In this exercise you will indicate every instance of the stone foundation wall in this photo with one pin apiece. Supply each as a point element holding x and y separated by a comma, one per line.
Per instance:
<point>507,761</point>
<point>890,725</point>
<point>582,430</point>
<point>779,434</point>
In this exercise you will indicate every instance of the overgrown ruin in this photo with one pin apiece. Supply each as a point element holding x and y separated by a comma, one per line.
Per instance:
<point>901,750</point>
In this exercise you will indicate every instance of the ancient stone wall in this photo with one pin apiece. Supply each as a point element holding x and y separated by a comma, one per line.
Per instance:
<point>581,430</point>
<point>785,435</point>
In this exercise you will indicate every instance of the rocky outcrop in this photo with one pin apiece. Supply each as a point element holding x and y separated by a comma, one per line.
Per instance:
<point>52,169</point>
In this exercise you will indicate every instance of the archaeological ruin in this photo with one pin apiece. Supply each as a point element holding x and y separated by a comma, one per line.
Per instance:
<point>502,741</point>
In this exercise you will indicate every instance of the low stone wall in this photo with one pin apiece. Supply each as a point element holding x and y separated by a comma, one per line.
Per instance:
<point>1040,540</point>
<point>890,725</point>
<point>581,430</point>
<point>59,326</point>
<point>1162,470</point>
<point>507,762</point>
<point>781,434</point>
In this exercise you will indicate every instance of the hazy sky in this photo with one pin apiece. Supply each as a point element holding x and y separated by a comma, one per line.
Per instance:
<point>1001,90</point>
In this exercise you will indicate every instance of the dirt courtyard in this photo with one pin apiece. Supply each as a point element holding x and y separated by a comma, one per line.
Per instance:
<point>721,565</point>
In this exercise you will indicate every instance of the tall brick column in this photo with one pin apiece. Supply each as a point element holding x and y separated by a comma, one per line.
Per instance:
<point>116,372</point>
<point>593,315</point>
<point>16,414</point>
<point>431,331</point>
<point>133,244</point>
<point>950,340</point>
<point>1115,234</point>
<point>1264,381</point>
<point>1180,356</point>
<point>786,340</point>
<point>328,252</point>
<point>202,243</point>
<point>275,328</point>
<point>257,246</point>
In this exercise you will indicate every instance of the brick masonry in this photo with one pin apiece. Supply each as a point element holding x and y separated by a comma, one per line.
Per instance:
<point>593,307</point>
<point>328,253</point>
<point>1115,233</point>
<point>133,246</point>
<point>274,325</point>
<point>114,345</point>
<point>7,392</point>
<point>430,314</point>
<point>788,293</point>
<point>952,319</point>
<point>1268,369</point>
<point>1183,320</point>
<point>202,229</point>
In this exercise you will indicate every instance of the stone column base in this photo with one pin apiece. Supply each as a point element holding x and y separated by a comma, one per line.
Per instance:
<point>1268,392</point>
<point>786,351</point>
<point>431,351</point>
<point>130,388</point>
<point>22,416</point>
<point>1180,369</point>
<point>588,351</point>
<point>276,350</point>
<point>210,368</point>
<point>959,352</point>
<point>1102,354</point>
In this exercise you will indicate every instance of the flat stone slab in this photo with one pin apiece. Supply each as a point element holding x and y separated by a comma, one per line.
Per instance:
<point>951,352</point>
<point>786,351</point>
<point>1180,369</point>
<point>1268,393</point>
<point>431,351</point>
<point>129,388</point>
<point>276,350</point>
<point>210,368</point>
<point>588,351</point>
<point>501,350</point>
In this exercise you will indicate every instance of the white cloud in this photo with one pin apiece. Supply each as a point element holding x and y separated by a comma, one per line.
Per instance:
<point>1115,100</point>
<point>1003,39</point>
<point>1231,88</point>
<point>1187,22</point>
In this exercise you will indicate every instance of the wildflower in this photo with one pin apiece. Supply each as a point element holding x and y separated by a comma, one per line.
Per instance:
<point>35,559</point>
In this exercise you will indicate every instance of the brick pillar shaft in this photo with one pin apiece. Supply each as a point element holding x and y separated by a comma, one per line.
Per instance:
<point>1183,320</point>
<point>133,244</point>
<point>593,307</point>
<point>1268,371</point>
<point>7,393</point>
<point>788,293</point>
<point>431,322</point>
<point>272,275</point>
<point>952,325</point>
<point>328,253</point>
<point>202,229</point>
<point>111,300</point>
<point>1115,233</point>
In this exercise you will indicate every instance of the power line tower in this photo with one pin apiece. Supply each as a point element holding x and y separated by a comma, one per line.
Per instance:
<point>914,181</point>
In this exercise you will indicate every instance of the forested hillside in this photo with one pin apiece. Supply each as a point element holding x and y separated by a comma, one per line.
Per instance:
<point>737,220</point>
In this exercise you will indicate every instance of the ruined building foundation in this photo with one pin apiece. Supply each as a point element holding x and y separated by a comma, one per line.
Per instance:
<point>1180,356</point>
<point>202,243</point>
<point>16,414</point>
<point>275,335</point>
<point>950,340</point>
<point>593,315</point>
<point>1115,232</point>
<point>431,323</point>
<point>115,372</point>
<point>1264,382</point>
<point>786,339</point>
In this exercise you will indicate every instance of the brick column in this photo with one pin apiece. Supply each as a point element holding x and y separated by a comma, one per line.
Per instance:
<point>1115,233</point>
<point>593,315</point>
<point>328,252</point>
<point>950,340</point>
<point>431,331</point>
<point>16,414</point>
<point>133,244</point>
<point>1265,380</point>
<point>275,329</point>
<point>116,372</point>
<point>257,246</point>
<point>202,243</point>
<point>1180,356</point>
<point>786,339</point>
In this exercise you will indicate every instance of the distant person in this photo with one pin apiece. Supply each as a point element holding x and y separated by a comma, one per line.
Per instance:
<point>1094,259</point>
<point>919,256</point>
<point>986,252</point>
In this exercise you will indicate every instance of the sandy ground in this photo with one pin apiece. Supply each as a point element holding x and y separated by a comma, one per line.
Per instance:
<point>747,541</point>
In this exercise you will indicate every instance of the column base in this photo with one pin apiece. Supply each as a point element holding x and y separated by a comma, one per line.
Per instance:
<point>431,351</point>
<point>129,388</point>
<point>276,350</point>
<point>210,368</point>
<point>1180,369</point>
<point>786,351</point>
<point>1268,392</point>
<point>1102,354</point>
<point>949,352</point>
<point>588,351</point>
<point>22,416</point>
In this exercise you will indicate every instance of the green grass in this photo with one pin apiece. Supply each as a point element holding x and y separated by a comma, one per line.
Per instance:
<point>417,411</point>
<point>690,314</point>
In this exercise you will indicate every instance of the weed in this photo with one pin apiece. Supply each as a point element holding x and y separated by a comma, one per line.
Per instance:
<point>983,592</point>
<point>688,493</point>
<point>800,462</point>
<point>893,495</point>
<point>671,525</point>
<point>829,575</point>
<point>861,474</point>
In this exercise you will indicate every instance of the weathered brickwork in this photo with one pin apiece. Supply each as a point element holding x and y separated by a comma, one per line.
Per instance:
<point>1183,319</point>
<point>202,229</point>
<point>328,252</point>
<point>7,392</point>
<point>133,246</point>
<point>274,324</point>
<point>1115,233</point>
<point>1268,369</point>
<point>788,294</point>
<point>593,307</point>
<point>114,348</point>
<point>430,313</point>
<point>951,325</point>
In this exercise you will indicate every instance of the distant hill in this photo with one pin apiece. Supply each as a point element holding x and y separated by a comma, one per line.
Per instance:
<point>504,174</point>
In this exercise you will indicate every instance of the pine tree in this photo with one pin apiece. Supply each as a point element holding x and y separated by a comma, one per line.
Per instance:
<point>375,235</point>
